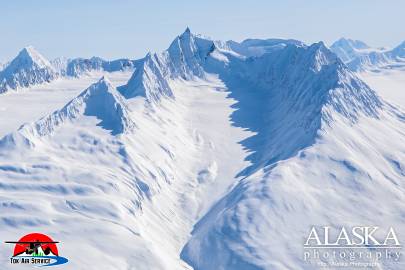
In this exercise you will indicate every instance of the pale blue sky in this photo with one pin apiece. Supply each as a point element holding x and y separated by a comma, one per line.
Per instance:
<point>124,28</point>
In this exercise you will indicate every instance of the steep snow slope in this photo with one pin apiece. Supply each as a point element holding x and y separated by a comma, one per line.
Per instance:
<point>100,100</point>
<point>262,223</point>
<point>321,150</point>
<point>28,68</point>
<point>250,150</point>
<point>167,164</point>
<point>182,59</point>
<point>39,100</point>
<point>171,163</point>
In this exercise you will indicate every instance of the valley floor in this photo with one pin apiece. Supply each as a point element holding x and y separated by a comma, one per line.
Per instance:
<point>190,143</point>
<point>137,200</point>
<point>390,84</point>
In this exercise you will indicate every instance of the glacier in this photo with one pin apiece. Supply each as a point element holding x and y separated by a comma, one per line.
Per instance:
<point>208,155</point>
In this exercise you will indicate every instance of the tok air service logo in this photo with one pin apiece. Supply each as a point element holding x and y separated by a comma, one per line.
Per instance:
<point>36,249</point>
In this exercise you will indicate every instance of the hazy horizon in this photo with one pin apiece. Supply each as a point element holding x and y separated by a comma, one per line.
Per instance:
<point>116,29</point>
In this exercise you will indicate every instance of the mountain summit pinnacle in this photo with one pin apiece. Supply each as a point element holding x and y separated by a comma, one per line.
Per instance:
<point>32,56</point>
<point>28,68</point>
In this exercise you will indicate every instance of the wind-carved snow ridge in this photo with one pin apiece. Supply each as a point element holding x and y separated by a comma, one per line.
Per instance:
<point>28,68</point>
<point>148,80</point>
<point>297,91</point>
<point>183,59</point>
<point>291,98</point>
<point>251,146</point>
<point>101,100</point>
<point>187,54</point>
<point>350,96</point>
<point>312,78</point>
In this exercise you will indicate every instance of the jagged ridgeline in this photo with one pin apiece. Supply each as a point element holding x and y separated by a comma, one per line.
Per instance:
<point>213,155</point>
<point>30,68</point>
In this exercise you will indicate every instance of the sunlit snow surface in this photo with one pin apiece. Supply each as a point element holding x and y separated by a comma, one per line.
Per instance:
<point>208,160</point>
<point>88,181</point>
<point>390,84</point>
<point>30,104</point>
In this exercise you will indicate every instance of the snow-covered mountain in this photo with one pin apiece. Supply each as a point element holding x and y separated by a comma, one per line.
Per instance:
<point>214,155</point>
<point>359,56</point>
<point>257,47</point>
<point>370,60</point>
<point>304,98</point>
<point>26,69</point>
<point>100,100</point>
<point>30,68</point>
<point>60,65</point>
<point>81,66</point>
<point>348,49</point>
<point>398,52</point>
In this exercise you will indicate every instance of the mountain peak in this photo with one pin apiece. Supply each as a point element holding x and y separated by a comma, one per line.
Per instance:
<point>29,50</point>
<point>187,31</point>
<point>29,67</point>
<point>402,45</point>
<point>29,54</point>
<point>100,100</point>
<point>399,51</point>
<point>104,82</point>
<point>148,80</point>
<point>101,87</point>
<point>186,35</point>
<point>187,52</point>
<point>348,49</point>
<point>347,42</point>
<point>319,46</point>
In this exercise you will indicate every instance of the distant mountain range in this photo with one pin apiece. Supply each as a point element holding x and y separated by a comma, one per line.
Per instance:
<point>358,56</point>
<point>30,68</point>
<point>213,155</point>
